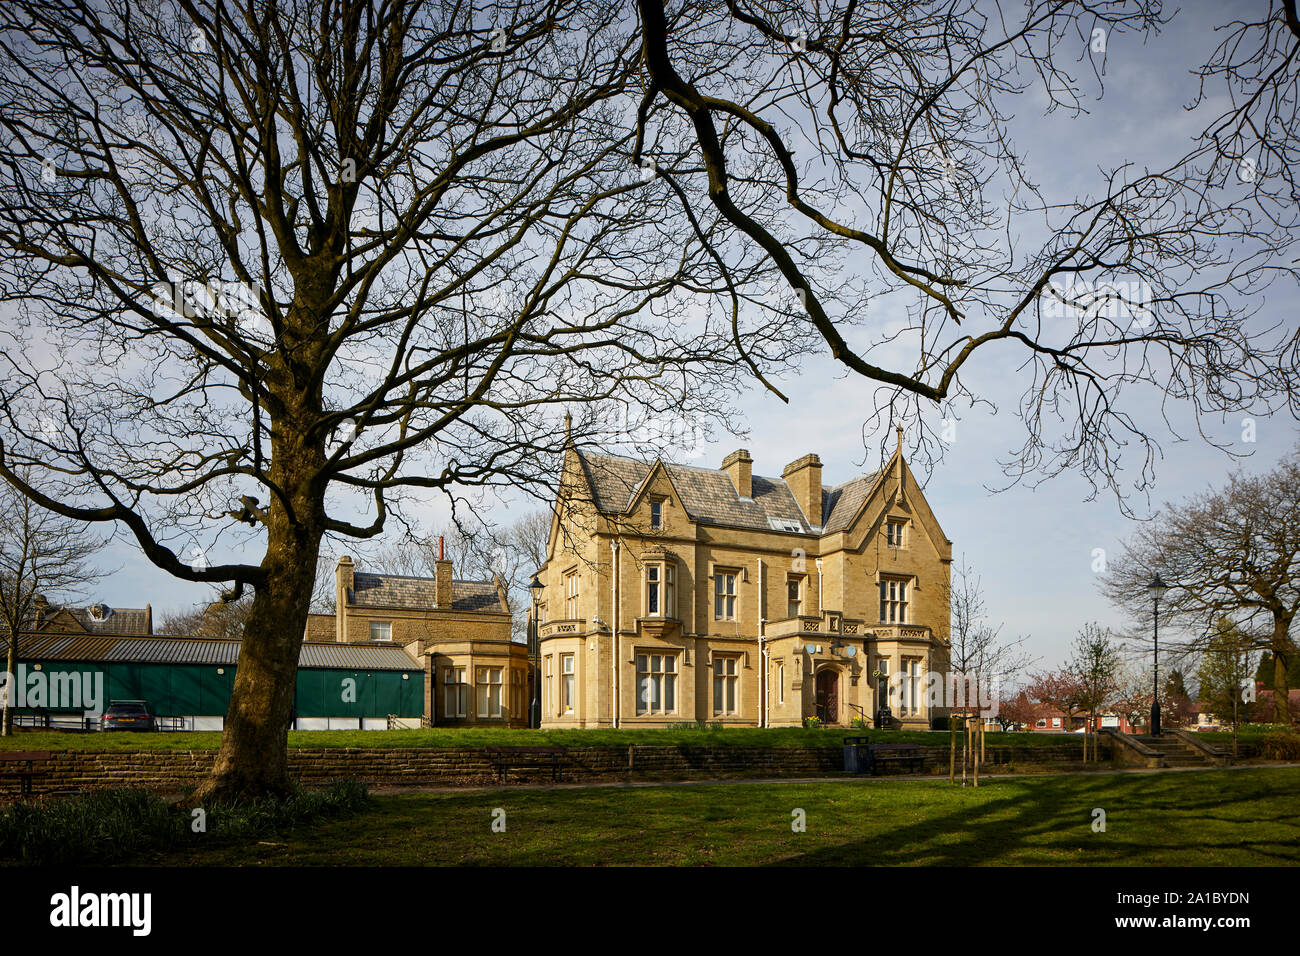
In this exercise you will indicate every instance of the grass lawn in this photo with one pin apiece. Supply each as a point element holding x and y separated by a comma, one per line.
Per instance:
<point>1207,818</point>
<point>476,737</point>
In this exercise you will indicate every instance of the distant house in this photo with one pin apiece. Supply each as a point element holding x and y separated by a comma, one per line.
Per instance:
<point>100,620</point>
<point>1049,720</point>
<point>460,631</point>
<point>1262,712</point>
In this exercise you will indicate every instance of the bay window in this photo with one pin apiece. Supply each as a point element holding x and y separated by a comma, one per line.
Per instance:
<point>893,600</point>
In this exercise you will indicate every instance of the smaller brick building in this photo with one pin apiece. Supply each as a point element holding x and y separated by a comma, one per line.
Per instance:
<point>474,674</point>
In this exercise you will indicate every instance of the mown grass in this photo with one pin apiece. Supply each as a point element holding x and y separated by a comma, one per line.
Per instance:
<point>120,824</point>
<point>1202,818</point>
<point>479,737</point>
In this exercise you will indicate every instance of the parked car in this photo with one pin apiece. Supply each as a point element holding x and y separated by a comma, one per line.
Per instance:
<point>127,715</point>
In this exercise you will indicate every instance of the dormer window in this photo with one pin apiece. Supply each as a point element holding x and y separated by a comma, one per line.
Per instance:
<point>660,591</point>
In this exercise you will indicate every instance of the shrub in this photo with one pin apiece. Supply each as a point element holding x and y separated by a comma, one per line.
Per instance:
<point>97,827</point>
<point>107,826</point>
<point>1280,745</point>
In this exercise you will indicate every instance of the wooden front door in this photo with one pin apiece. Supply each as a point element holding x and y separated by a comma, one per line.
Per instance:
<point>828,697</point>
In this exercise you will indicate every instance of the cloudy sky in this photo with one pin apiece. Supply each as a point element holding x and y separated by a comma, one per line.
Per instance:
<point>1033,547</point>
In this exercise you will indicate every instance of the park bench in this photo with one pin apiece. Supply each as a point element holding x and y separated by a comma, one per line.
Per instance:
<point>24,764</point>
<point>505,759</point>
<point>880,756</point>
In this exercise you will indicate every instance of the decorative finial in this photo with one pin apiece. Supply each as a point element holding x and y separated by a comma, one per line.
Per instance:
<point>568,428</point>
<point>898,431</point>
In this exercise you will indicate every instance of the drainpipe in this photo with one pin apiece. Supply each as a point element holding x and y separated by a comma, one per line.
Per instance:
<point>613,628</point>
<point>819,587</point>
<point>764,689</point>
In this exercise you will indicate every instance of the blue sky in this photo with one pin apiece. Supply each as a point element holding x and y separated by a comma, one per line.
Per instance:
<point>1033,547</point>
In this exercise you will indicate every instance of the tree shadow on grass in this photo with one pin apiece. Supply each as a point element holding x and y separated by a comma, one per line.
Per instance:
<point>1051,821</point>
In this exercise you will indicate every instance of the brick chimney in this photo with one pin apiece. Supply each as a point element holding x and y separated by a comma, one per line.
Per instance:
<point>343,583</point>
<point>741,469</point>
<point>42,607</point>
<point>804,476</point>
<point>442,578</point>
<point>148,619</point>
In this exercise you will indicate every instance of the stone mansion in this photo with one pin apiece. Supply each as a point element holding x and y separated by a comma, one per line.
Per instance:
<point>673,593</point>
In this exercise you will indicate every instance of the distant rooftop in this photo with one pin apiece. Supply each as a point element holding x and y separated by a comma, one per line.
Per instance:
<point>403,591</point>
<point>176,650</point>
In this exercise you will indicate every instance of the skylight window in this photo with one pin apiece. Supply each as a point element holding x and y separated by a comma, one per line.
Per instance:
<point>784,524</point>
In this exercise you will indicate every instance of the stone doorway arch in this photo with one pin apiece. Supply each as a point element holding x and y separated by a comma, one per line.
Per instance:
<point>828,695</point>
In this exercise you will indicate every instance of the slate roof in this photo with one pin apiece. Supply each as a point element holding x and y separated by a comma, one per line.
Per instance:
<point>841,504</point>
<point>709,496</point>
<point>127,621</point>
<point>175,650</point>
<point>399,590</point>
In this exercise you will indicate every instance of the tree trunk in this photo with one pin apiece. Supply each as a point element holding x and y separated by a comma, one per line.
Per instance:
<point>11,698</point>
<point>1281,659</point>
<point>254,757</point>
<point>952,748</point>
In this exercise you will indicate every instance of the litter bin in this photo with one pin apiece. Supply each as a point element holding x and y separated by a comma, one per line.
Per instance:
<point>856,757</point>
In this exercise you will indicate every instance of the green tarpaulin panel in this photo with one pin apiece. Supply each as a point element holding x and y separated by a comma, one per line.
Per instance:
<point>198,690</point>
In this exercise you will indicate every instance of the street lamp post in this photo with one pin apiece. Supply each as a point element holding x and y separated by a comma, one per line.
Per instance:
<point>1156,589</point>
<point>535,652</point>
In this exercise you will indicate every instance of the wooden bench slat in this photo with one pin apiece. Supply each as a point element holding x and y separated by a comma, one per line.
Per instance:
<point>25,774</point>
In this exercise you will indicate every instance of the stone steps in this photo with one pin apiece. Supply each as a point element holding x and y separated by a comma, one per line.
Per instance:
<point>1178,752</point>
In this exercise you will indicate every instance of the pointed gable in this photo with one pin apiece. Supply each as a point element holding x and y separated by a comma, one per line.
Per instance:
<point>708,495</point>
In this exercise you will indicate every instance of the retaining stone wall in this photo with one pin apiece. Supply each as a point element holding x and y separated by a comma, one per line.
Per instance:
<point>70,771</point>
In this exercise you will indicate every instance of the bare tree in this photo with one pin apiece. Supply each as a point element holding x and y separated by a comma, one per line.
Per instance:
<point>977,650</point>
<point>278,267</point>
<point>881,133</point>
<point>1255,140</point>
<point>1095,667</point>
<point>211,619</point>
<point>1233,552</point>
<point>41,555</point>
<point>1132,697</point>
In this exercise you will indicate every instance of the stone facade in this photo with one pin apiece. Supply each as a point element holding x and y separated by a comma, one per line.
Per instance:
<point>474,674</point>
<point>674,593</point>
